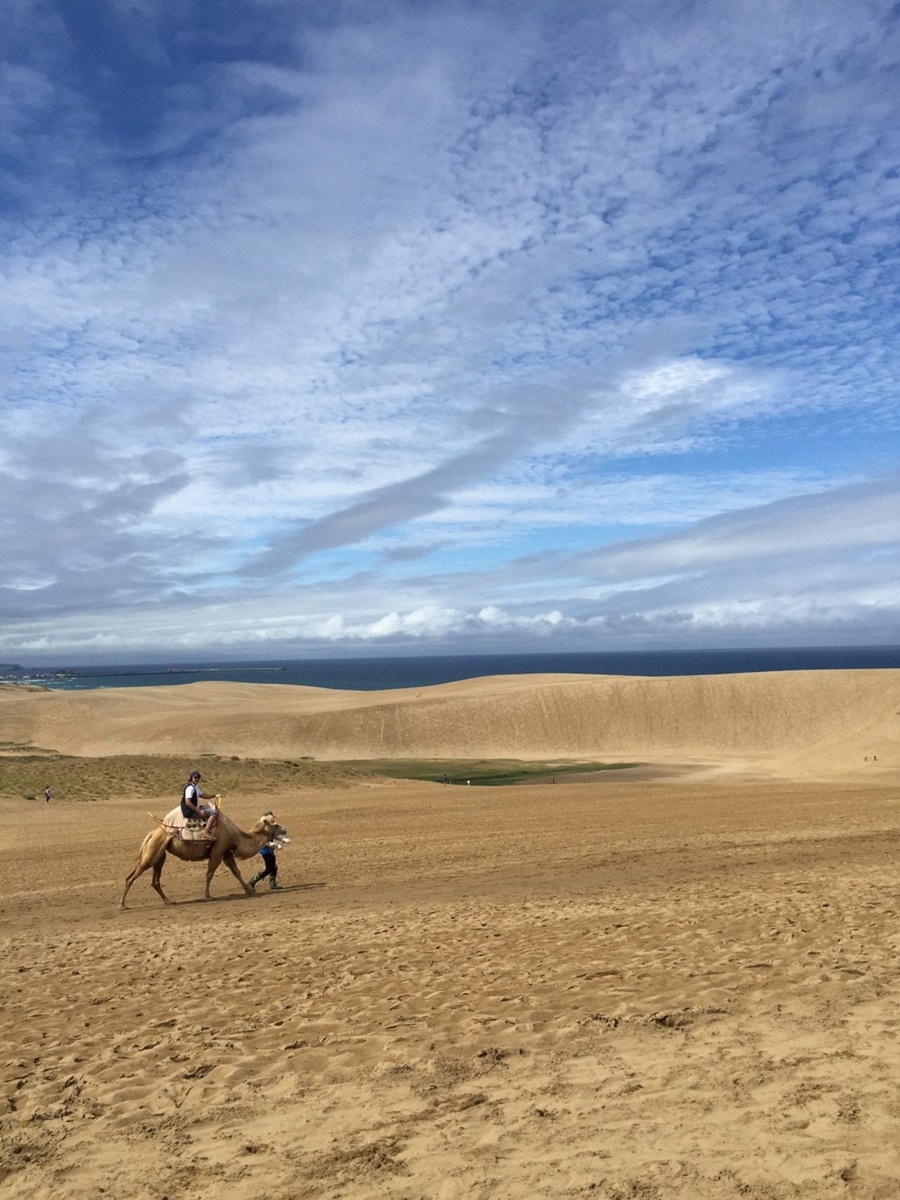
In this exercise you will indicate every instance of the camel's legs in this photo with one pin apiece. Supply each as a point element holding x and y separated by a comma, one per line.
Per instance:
<point>228,859</point>
<point>140,867</point>
<point>157,872</point>
<point>130,878</point>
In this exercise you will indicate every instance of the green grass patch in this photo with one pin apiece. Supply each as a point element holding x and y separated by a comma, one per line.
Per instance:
<point>484,772</point>
<point>26,771</point>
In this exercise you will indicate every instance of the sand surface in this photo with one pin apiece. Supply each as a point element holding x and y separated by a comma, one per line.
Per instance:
<point>812,724</point>
<point>686,987</point>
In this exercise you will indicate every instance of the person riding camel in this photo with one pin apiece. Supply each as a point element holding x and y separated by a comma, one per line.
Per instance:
<point>191,808</point>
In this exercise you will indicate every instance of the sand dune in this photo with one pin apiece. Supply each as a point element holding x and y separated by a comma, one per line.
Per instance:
<point>804,724</point>
<point>613,988</point>
<point>590,990</point>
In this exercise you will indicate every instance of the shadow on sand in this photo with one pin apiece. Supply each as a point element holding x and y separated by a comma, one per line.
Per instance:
<point>284,887</point>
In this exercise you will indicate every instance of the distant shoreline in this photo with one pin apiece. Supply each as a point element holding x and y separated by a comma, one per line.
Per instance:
<point>155,671</point>
<point>36,677</point>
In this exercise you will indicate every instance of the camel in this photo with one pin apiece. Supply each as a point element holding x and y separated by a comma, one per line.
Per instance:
<point>230,843</point>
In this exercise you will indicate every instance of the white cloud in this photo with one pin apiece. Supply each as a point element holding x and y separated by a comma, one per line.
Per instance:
<point>315,295</point>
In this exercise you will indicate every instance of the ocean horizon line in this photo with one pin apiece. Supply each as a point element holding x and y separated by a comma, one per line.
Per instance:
<point>389,672</point>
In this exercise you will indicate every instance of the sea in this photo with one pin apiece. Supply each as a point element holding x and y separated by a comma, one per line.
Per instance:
<point>378,674</point>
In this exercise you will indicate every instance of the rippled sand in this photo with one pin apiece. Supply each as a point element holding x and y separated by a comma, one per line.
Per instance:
<point>675,987</point>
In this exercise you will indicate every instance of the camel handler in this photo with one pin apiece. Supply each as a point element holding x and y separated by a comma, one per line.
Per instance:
<point>270,862</point>
<point>191,808</point>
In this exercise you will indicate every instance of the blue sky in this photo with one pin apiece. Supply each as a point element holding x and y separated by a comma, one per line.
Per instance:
<point>383,327</point>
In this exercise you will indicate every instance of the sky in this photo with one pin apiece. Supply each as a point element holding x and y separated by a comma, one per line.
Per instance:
<point>354,328</point>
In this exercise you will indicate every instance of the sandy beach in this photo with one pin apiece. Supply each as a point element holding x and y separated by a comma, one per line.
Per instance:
<point>678,981</point>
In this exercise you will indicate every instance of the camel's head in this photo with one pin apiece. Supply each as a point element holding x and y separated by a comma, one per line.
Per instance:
<point>271,827</point>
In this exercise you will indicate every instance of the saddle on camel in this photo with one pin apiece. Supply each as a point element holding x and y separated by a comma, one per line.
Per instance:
<point>192,829</point>
<point>187,839</point>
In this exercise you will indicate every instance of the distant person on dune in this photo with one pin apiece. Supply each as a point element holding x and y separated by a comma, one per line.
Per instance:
<point>47,793</point>
<point>191,808</point>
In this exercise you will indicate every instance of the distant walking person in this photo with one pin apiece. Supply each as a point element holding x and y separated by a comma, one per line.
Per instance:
<point>47,793</point>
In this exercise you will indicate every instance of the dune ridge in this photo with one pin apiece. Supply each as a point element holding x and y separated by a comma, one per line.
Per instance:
<point>807,723</point>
